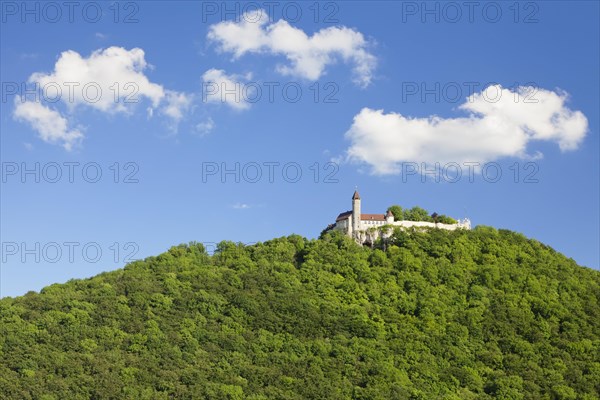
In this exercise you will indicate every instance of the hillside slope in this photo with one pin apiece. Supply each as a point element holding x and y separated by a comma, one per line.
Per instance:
<point>475,314</point>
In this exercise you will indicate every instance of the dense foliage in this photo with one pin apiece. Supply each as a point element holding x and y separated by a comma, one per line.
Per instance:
<point>418,214</point>
<point>439,314</point>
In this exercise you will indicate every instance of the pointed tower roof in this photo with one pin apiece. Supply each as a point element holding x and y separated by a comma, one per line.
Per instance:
<point>356,196</point>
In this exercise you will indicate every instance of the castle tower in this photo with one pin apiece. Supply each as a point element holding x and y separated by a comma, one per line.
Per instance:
<point>355,212</point>
<point>389,217</point>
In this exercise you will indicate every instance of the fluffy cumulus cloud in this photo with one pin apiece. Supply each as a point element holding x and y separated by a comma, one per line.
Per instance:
<point>110,80</point>
<point>501,123</point>
<point>50,125</point>
<point>308,56</point>
<point>233,90</point>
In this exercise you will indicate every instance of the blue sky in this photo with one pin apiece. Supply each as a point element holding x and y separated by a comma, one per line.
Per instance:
<point>369,94</point>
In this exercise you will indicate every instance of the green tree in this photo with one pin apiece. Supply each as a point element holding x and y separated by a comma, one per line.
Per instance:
<point>466,314</point>
<point>397,212</point>
<point>444,219</point>
<point>417,214</point>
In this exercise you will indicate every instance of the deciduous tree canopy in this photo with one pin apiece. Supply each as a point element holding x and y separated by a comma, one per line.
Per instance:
<point>479,314</point>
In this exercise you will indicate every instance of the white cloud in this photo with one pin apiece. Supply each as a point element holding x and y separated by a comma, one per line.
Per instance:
<point>117,72</point>
<point>110,80</point>
<point>29,56</point>
<point>308,56</point>
<point>218,87</point>
<point>205,127</point>
<point>241,206</point>
<point>177,104</point>
<point>50,125</point>
<point>493,130</point>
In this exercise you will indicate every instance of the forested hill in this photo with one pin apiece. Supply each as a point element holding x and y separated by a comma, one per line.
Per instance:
<point>480,314</point>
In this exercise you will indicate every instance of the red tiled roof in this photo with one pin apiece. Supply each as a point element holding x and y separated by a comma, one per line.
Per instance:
<point>372,217</point>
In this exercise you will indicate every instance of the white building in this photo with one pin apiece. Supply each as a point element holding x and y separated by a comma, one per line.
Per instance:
<point>360,226</point>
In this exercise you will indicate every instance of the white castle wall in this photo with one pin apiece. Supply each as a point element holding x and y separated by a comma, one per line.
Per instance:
<point>464,224</point>
<point>345,224</point>
<point>374,232</point>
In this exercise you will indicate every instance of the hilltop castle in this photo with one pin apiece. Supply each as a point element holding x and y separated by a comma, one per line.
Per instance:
<point>364,227</point>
